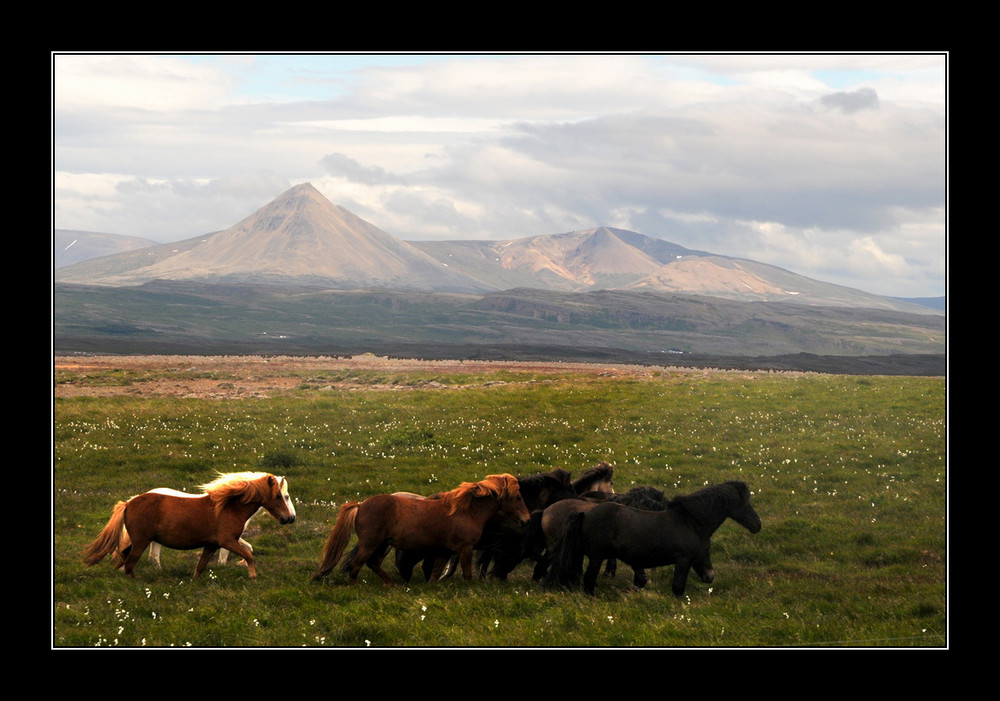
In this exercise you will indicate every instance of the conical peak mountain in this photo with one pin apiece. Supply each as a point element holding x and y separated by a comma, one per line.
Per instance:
<point>299,237</point>
<point>301,233</point>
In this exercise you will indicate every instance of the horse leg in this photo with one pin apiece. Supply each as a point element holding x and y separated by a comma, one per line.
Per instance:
<point>154,554</point>
<point>405,562</point>
<point>433,568</point>
<point>241,549</point>
<point>375,564</point>
<point>131,556</point>
<point>224,554</point>
<point>447,566</point>
<point>541,567</point>
<point>465,559</point>
<point>611,569</point>
<point>704,568</point>
<point>354,564</point>
<point>590,576</point>
<point>681,569</point>
<point>206,555</point>
<point>484,563</point>
<point>639,578</point>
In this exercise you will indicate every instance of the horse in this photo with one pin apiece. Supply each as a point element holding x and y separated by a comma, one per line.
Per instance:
<point>452,521</point>
<point>547,528</point>
<point>211,520</point>
<point>503,541</point>
<point>502,535</point>
<point>509,545</point>
<point>680,535</point>
<point>599,478</point>
<point>155,549</point>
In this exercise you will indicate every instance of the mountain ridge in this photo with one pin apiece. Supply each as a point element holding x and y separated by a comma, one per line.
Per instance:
<point>301,238</point>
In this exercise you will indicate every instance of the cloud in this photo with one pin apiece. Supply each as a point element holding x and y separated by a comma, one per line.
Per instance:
<point>835,152</point>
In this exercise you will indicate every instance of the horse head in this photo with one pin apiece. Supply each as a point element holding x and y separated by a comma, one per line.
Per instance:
<point>279,504</point>
<point>540,491</point>
<point>510,501</point>
<point>744,513</point>
<point>599,478</point>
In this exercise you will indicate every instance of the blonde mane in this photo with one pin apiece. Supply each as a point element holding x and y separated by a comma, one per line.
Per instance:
<point>498,486</point>
<point>245,486</point>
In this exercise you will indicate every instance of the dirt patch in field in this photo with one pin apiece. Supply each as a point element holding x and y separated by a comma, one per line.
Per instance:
<point>240,377</point>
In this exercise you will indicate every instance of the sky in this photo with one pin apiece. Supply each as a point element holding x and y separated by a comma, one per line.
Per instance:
<point>833,166</point>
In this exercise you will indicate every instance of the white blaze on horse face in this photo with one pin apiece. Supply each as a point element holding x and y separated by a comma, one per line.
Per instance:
<point>287,498</point>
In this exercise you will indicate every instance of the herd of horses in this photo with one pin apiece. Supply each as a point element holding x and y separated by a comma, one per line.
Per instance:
<point>548,518</point>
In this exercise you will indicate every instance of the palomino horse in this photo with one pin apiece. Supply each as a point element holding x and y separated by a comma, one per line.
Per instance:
<point>452,521</point>
<point>155,549</point>
<point>680,535</point>
<point>211,520</point>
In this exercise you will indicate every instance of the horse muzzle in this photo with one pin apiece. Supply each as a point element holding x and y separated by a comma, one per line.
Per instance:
<point>287,519</point>
<point>707,576</point>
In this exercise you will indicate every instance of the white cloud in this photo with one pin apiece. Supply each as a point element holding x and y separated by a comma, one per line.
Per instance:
<point>829,165</point>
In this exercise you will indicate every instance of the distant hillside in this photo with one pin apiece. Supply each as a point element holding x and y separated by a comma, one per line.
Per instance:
<point>69,246</point>
<point>641,326</point>
<point>938,303</point>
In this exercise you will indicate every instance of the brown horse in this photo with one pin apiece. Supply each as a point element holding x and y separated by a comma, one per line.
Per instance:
<point>452,521</point>
<point>211,520</point>
<point>155,549</point>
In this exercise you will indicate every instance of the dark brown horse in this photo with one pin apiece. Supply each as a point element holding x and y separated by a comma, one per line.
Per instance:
<point>680,535</point>
<point>546,530</point>
<point>212,520</point>
<point>599,478</point>
<point>452,522</point>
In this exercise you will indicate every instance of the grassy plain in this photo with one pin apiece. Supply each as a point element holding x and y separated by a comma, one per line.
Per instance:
<point>848,473</point>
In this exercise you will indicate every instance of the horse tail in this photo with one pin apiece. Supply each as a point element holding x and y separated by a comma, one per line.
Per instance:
<point>110,538</point>
<point>567,561</point>
<point>534,537</point>
<point>338,539</point>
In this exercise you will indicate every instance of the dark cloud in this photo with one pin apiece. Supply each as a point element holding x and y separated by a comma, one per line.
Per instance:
<point>848,102</point>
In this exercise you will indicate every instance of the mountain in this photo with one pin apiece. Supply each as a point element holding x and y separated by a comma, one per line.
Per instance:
<point>299,238</point>
<point>70,246</point>
<point>302,239</point>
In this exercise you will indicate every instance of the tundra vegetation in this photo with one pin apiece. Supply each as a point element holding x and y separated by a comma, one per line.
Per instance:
<point>848,474</point>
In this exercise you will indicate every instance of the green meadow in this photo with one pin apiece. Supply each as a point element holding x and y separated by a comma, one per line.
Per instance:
<point>848,474</point>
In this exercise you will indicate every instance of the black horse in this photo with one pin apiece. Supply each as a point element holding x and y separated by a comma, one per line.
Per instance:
<point>502,538</point>
<point>600,479</point>
<point>546,529</point>
<point>680,535</point>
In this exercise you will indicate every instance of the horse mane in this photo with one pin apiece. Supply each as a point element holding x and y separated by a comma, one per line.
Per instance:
<point>603,471</point>
<point>705,503</point>
<point>245,486</point>
<point>648,498</point>
<point>533,485</point>
<point>498,486</point>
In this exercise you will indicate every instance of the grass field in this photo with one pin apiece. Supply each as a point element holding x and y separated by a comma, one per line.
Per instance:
<point>848,474</point>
